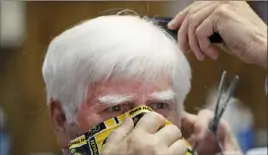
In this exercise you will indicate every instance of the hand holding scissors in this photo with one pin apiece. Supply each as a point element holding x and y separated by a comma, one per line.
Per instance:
<point>221,104</point>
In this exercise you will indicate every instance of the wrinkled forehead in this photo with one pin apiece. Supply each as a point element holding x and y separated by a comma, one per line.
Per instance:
<point>131,88</point>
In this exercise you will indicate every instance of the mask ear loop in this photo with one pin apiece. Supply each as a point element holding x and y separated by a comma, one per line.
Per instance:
<point>72,126</point>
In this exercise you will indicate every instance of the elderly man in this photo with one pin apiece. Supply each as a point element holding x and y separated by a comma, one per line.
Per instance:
<point>111,64</point>
<point>108,65</point>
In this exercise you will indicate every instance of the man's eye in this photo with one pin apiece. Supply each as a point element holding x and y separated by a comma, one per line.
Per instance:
<point>159,105</point>
<point>116,108</point>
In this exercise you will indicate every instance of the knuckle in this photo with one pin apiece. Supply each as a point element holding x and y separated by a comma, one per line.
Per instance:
<point>222,10</point>
<point>198,31</point>
<point>174,130</point>
<point>135,134</point>
<point>147,144</point>
<point>114,133</point>
<point>206,112</point>
<point>132,140</point>
<point>157,116</point>
<point>191,11</point>
<point>192,20</point>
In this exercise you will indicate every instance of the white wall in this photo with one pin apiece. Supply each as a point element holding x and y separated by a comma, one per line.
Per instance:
<point>176,6</point>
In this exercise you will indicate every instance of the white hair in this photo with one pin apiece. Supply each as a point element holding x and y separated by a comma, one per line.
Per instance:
<point>114,46</point>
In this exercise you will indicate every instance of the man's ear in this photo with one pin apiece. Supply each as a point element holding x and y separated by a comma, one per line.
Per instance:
<point>59,123</point>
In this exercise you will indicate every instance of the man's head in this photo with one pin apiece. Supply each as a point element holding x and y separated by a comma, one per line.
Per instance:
<point>108,65</point>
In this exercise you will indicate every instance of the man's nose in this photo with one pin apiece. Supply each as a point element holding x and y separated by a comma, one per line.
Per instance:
<point>140,102</point>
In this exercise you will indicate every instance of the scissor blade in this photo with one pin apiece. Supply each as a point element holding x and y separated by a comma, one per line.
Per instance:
<point>229,94</point>
<point>220,91</point>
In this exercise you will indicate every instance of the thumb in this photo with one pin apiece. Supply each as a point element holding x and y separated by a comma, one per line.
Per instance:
<point>230,144</point>
<point>121,132</point>
<point>188,122</point>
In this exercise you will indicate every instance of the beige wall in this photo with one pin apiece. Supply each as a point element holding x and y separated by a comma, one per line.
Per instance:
<point>22,93</point>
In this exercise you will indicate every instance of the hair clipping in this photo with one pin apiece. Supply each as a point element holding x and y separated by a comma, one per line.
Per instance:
<point>163,22</point>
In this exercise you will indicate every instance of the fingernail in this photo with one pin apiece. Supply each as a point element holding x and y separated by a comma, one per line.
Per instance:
<point>129,119</point>
<point>126,120</point>
<point>201,136</point>
<point>171,24</point>
<point>182,49</point>
<point>201,58</point>
<point>187,51</point>
<point>214,56</point>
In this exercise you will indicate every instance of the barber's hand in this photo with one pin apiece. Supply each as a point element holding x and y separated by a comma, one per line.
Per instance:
<point>198,126</point>
<point>146,138</point>
<point>243,32</point>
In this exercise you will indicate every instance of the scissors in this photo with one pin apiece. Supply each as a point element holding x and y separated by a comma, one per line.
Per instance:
<point>221,104</point>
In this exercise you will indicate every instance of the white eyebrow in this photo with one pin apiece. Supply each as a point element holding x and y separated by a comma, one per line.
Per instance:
<point>163,95</point>
<point>115,99</point>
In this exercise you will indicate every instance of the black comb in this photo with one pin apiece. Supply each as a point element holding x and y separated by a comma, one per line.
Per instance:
<point>163,22</point>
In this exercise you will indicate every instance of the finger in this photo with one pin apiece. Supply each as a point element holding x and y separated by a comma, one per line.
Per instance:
<point>179,147</point>
<point>178,19</point>
<point>121,132</point>
<point>202,125</point>
<point>192,140</point>
<point>230,143</point>
<point>203,31</point>
<point>188,121</point>
<point>194,21</point>
<point>168,134</point>
<point>151,122</point>
<point>224,130</point>
<point>183,39</point>
<point>183,36</point>
<point>226,137</point>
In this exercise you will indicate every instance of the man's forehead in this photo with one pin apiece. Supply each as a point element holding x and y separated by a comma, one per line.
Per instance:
<point>126,87</point>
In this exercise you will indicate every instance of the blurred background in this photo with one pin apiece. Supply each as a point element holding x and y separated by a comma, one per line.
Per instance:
<point>28,27</point>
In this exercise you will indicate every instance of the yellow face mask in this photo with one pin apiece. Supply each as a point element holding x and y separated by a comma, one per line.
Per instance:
<point>91,143</point>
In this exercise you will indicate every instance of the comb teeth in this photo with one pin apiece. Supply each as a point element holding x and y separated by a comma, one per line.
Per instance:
<point>163,22</point>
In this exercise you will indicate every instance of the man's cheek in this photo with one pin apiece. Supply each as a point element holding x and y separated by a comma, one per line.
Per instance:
<point>87,121</point>
<point>103,116</point>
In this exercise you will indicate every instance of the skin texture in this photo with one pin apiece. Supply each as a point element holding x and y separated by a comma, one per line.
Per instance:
<point>156,139</point>
<point>198,125</point>
<point>243,32</point>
